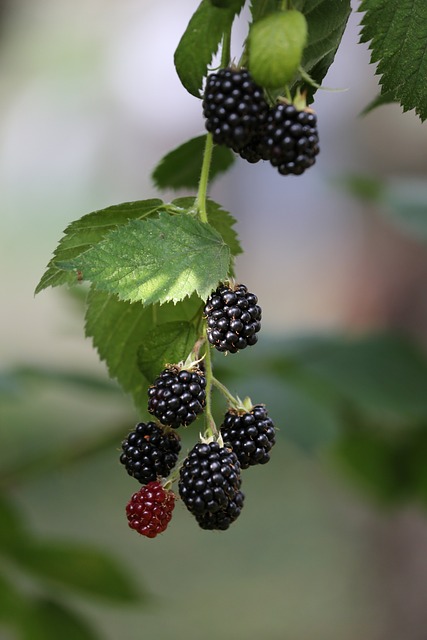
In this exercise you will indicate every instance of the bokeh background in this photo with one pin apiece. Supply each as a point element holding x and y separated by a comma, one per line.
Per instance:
<point>90,102</point>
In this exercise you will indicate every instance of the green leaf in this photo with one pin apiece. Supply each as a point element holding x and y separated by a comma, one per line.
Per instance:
<point>276,44</point>
<point>379,101</point>
<point>167,344</point>
<point>157,260</point>
<point>200,42</point>
<point>326,21</point>
<point>220,219</point>
<point>397,31</point>
<point>260,8</point>
<point>81,235</point>
<point>12,604</point>
<point>405,204</point>
<point>378,373</point>
<point>48,620</point>
<point>79,567</point>
<point>181,167</point>
<point>402,202</point>
<point>118,330</point>
<point>12,528</point>
<point>365,187</point>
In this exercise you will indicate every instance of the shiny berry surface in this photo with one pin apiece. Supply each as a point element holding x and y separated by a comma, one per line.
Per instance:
<point>251,435</point>
<point>177,397</point>
<point>149,511</point>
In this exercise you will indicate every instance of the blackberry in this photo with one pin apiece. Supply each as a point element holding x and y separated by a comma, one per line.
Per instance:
<point>149,511</point>
<point>291,140</point>
<point>234,107</point>
<point>177,396</point>
<point>233,318</point>
<point>251,435</point>
<point>224,517</point>
<point>209,479</point>
<point>150,452</point>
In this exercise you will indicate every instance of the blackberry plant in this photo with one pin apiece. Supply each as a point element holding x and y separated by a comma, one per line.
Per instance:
<point>161,275</point>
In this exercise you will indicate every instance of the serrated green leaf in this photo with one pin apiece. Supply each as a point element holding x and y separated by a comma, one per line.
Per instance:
<point>119,328</point>
<point>220,219</point>
<point>79,567</point>
<point>81,235</point>
<point>166,344</point>
<point>157,260</point>
<point>181,167</point>
<point>200,42</point>
<point>396,31</point>
<point>326,21</point>
<point>48,620</point>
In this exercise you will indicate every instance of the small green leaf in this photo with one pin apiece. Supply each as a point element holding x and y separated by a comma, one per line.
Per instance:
<point>81,235</point>
<point>326,22</point>
<point>118,329</point>
<point>220,219</point>
<point>168,343</point>
<point>276,44</point>
<point>181,167</point>
<point>48,620</point>
<point>157,260</point>
<point>200,42</point>
<point>79,567</point>
<point>397,31</point>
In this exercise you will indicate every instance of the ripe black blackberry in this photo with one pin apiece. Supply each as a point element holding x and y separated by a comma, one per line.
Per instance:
<point>177,396</point>
<point>233,318</point>
<point>234,107</point>
<point>150,452</point>
<point>250,434</point>
<point>291,140</point>
<point>209,479</point>
<point>149,510</point>
<point>224,517</point>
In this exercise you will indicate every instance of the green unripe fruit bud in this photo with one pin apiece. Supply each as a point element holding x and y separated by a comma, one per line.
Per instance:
<point>276,44</point>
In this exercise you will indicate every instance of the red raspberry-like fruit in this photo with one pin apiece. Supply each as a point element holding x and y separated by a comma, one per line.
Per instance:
<point>149,511</point>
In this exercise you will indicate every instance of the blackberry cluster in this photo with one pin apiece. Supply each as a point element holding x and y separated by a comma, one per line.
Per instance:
<point>290,140</point>
<point>239,117</point>
<point>233,318</point>
<point>177,396</point>
<point>150,452</point>
<point>251,435</point>
<point>221,520</point>
<point>234,107</point>
<point>209,484</point>
<point>149,511</point>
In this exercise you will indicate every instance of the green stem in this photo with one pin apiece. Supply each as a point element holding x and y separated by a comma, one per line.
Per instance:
<point>225,392</point>
<point>204,179</point>
<point>226,49</point>
<point>211,430</point>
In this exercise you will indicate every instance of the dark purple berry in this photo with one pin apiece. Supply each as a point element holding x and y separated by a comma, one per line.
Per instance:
<point>233,318</point>
<point>234,107</point>
<point>150,452</point>
<point>209,479</point>
<point>177,396</point>
<point>251,435</point>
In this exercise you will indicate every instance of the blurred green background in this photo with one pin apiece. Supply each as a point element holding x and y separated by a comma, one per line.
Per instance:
<point>332,542</point>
